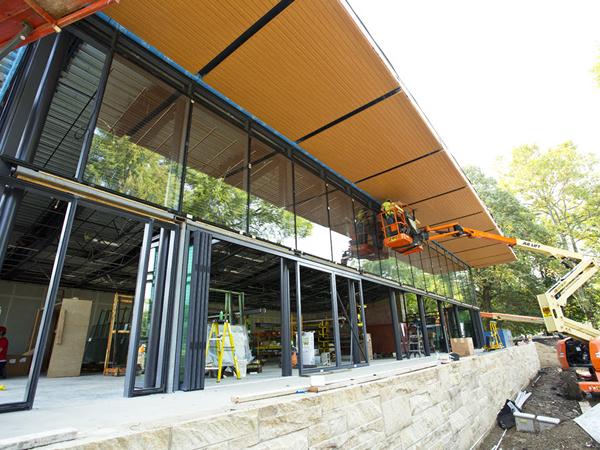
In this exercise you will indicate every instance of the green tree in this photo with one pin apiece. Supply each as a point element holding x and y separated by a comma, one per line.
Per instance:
<point>512,288</point>
<point>119,164</point>
<point>560,186</point>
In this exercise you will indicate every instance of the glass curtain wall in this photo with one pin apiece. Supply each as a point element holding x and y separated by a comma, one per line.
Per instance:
<point>154,143</point>
<point>136,148</point>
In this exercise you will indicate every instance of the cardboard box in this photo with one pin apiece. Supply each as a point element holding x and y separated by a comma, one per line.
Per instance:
<point>462,346</point>
<point>17,365</point>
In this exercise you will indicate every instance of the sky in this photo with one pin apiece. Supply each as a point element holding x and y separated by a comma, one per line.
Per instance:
<point>493,75</point>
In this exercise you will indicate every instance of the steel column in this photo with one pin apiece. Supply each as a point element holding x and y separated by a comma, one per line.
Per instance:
<point>456,318</point>
<point>423,320</point>
<point>299,318</point>
<point>364,321</point>
<point>336,321</point>
<point>46,320</point>
<point>286,332</point>
<point>395,323</point>
<point>445,333</point>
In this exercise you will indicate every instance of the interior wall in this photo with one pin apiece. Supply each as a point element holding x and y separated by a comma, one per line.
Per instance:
<point>19,303</point>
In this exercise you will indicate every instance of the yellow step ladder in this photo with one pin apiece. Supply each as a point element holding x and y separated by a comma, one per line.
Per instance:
<point>218,340</point>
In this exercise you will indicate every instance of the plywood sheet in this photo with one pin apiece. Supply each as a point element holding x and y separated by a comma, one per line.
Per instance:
<point>381,137</point>
<point>309,66</point>
<point>417,181</point>
<point>190,33</point>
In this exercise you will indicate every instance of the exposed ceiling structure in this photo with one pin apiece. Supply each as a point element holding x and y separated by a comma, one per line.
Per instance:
<point>309,70</point>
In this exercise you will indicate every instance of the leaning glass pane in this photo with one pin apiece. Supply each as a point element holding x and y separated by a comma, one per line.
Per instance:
<point>404,269</point>
<point>216,172</point>
<point>137,141</point>
<point>271,195</point>
<point>343,232</point>
<point>311,204</point>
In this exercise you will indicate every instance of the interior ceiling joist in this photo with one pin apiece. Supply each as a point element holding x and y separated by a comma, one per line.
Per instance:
<point>308,69</point>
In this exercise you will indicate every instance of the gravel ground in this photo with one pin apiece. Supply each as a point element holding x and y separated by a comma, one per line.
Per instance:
<point>546,400</point>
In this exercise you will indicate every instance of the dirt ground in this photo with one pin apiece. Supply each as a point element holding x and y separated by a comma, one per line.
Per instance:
<point>546,400</point>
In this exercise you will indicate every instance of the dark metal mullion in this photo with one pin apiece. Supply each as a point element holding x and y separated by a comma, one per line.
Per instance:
<point>185,145</point>
<point>423,320</point>
<point>445,333</point>
<point>364,321</point>
<point>191,335</point>
<point>329,221</point>
<point>432,270</point>
<point>355,345</point>
<point>395,323</point>
<point>46,320</point>
<point>204,267</point>
<point>248,174</point>
<point>158,301</point>
<point>138,310</point>
<point>299,318</point>
<point>179,382</point>
<point>294,204</point>
<point>456,318</point>
<point>336,321</point>
<point>168,309</point>
<point>286,350</point>
<point>9,204</point>
<point>471,282</point>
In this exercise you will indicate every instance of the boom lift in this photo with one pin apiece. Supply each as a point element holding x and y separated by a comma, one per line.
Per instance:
<point>582,348</point>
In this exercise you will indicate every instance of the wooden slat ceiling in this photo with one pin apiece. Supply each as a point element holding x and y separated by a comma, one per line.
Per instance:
<point>312,74</point>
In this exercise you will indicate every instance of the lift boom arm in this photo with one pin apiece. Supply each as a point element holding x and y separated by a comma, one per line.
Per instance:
<point>554,299</point>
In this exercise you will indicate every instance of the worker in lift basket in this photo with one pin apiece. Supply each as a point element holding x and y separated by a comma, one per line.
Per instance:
<point>388,209</point>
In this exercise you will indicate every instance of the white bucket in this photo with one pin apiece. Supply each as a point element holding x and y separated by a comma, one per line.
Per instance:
<point>243,366</point>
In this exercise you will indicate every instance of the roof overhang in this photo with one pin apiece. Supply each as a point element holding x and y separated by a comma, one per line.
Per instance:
<point>309,70</point>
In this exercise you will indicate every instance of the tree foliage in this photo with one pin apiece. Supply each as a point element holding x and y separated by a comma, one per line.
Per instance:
<point>551,197</point>
<point>119,164</point>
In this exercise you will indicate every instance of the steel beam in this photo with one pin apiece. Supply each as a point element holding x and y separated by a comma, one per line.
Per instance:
<point>444,325</point>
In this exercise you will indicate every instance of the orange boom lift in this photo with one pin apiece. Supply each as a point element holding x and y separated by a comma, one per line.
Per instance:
<point>581,350</point>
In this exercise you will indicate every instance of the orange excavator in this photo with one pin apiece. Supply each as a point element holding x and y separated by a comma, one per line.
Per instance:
<point>581,349</point>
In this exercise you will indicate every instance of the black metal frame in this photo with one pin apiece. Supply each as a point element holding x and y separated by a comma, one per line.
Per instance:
<point>335,320</point>
<point>423,323</point>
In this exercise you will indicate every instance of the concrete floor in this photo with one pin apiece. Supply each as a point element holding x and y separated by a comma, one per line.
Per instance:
<point>94,404</point>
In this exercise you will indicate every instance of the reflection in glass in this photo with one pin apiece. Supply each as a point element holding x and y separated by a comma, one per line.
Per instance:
<point>216,172</point>
<point>311,205</point>
<point>137,141</point>
<point>344,239</point>
<point>271,196</point>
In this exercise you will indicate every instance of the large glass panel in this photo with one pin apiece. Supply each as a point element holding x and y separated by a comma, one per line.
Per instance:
<point>318,334</point>
<point>366,236</point>
<point>343,233</point>
<point>415,261</point>
<point>136,148</point>
<point>216,172</point>
<point>30,254</point>
<point>62,137</point>
<point>405,274</point>
<point>314,236</point>
<point>271,196</point>
<point>379,320</point>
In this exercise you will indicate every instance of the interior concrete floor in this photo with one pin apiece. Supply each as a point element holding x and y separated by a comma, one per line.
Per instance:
<point>95,405</point>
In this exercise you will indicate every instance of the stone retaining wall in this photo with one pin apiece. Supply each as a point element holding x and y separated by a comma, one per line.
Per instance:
<point>443,407</point>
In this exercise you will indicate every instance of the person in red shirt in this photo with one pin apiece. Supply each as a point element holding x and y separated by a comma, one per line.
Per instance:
<point>3,351</point>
